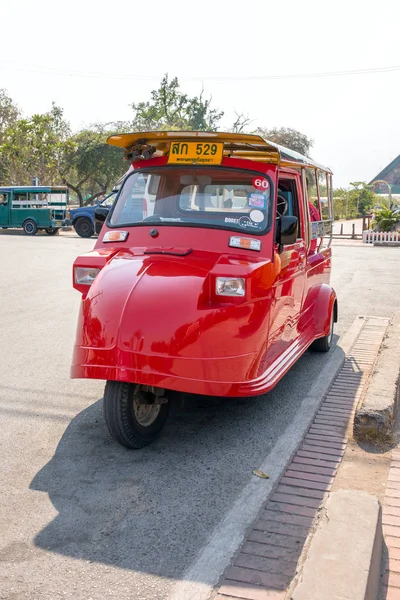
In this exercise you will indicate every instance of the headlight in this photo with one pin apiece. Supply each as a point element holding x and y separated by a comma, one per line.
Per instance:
<point>85,275</point>
<point>230,286</point>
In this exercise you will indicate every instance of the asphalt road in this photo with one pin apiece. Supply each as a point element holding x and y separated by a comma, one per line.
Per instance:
<point>83,518</point>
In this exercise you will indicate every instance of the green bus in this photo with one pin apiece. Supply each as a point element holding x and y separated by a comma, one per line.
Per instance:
<point>33,207</point>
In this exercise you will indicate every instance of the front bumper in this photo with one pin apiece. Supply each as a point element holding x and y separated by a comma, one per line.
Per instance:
<point>212,377</point>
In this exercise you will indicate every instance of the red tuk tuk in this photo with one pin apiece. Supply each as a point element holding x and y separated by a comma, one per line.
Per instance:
<point>217,288</point>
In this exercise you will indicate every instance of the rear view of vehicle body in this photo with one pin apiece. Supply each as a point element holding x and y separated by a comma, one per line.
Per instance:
<point>33,208</point>
<point>217,289</point>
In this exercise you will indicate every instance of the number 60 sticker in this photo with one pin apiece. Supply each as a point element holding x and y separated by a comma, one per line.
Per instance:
<point>260,183</point>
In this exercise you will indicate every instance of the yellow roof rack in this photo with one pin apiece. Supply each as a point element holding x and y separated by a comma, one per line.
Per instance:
<point>144,144</point>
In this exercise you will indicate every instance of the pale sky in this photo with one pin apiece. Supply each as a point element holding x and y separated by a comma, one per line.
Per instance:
<point>95,58</point>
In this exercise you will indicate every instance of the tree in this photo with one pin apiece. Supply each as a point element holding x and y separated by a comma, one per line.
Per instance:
<point>34,148</point>
<point>363,197</point>
<point>9,113</point>
<point>170,109</point>
<point>285,136</point>
<point>241,123</point>
<point>340,203</point>
<point>89,165</point>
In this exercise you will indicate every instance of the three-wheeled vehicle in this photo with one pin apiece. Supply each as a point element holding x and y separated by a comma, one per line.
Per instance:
<point>217,288</point>
<point>34,207</point>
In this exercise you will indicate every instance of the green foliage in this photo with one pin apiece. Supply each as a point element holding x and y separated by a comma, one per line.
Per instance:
<point>9,113</point>
<point>340,203</point>
<point>363,196</point>
<point>170,109</point>
<point>355,202</point>
<point>90,166</point>
<point>386,219</point>
<point>43,145</point>
<point>285,136</point>
<point>34,148</point>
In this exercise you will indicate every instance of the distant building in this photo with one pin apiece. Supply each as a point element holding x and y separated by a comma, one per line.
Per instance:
<point>390,174</point>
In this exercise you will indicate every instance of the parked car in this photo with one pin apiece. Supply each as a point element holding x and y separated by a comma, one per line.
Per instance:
<point>82,218</point>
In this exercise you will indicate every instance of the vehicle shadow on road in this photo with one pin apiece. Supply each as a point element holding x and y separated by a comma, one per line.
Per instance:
<point>130,508</point>
<point>152,510</point>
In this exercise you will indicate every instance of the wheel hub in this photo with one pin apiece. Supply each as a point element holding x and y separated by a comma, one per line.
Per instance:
<point>145,414</point>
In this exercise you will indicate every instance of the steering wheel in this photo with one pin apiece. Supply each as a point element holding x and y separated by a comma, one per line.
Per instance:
<point>282,206</point>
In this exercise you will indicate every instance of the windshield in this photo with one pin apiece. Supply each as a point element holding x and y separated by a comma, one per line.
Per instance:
<point>204,197</point>
<point>109,201</point>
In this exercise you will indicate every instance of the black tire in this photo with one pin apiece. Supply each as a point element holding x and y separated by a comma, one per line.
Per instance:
<point>30,227</point>
<point>121,418</point>
<point>84,227</point>
<point>324,344</point>
<point>52,230</point>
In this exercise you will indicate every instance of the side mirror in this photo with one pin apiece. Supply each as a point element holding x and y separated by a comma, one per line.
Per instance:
<point>287,229</point>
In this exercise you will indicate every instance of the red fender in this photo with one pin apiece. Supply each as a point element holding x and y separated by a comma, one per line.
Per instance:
<point>325,303</point>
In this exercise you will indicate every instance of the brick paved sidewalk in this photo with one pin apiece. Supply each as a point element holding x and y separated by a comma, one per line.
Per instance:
<point>270,557</point>
<point>391,531</point>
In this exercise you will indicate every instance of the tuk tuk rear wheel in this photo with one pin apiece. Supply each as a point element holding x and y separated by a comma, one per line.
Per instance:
<point>130,423</point>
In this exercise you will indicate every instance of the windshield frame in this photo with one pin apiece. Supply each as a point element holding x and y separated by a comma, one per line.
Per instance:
<point>227,227</point>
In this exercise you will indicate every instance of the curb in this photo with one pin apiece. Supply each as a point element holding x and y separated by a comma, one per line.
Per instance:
<point>374,418</point>
<point>388,244</point>
<point>335,568</point>
<point>200,580</point>
<point>269,563</point>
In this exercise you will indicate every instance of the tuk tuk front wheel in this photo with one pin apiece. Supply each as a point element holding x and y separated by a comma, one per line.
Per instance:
<point>324,344</point>
<point>129,421</point>
<point>30,227</point>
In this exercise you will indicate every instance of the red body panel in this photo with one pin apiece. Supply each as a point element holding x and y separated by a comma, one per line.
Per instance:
<point>155,319</point>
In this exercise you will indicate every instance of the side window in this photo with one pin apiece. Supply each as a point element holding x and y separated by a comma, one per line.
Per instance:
<point>288,200</point>
<point>3,199</point>
<point>109,201</point>
<point>37,200</point>
<point>20,200</point>
<point>323,196</point>
<point>312,195</point>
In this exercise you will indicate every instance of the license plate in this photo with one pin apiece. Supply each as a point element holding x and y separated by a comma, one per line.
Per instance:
<point>59,223</point>
<point>202,153</point>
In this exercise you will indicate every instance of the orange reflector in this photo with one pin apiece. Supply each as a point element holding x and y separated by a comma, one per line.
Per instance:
<point>245,243</point>
<point>115,236</point>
